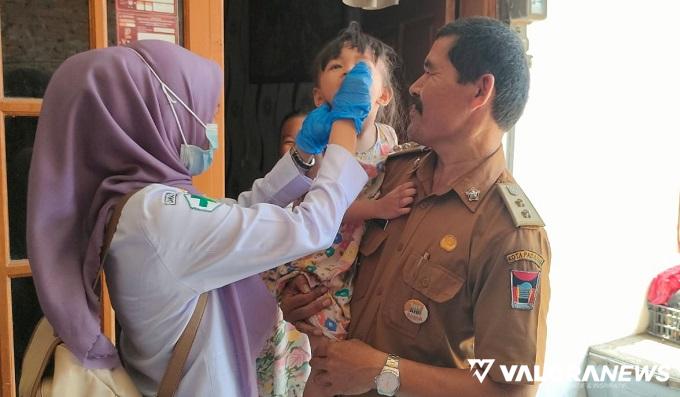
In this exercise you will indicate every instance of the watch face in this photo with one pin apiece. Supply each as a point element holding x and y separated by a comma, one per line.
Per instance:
<point>387,383</point>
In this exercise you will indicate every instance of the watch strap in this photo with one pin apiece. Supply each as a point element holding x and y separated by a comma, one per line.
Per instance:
<point>392,361</point>
<point>391,367</point>
<point>297,158</point>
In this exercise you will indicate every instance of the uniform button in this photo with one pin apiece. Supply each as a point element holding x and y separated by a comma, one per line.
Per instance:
<point>424,282</point>
<point>400,247</point>
<point>424,205</point>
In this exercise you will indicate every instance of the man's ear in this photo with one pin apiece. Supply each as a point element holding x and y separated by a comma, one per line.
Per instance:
<point>318,99</point>
<point>385,96</point>
<point>484,88</point>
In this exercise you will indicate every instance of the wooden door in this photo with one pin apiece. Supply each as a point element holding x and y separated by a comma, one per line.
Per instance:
<point>36,37</point>
<point>410,28</point>
<point>486,8</point>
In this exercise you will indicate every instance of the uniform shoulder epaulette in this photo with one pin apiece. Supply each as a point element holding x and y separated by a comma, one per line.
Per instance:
<point>522,211</point>
<point>407,148</point>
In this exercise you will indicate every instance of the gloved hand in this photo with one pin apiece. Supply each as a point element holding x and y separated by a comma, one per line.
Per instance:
<point>316,128</point>
<point>353,99</point>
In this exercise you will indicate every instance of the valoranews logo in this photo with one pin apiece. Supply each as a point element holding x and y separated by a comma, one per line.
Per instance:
<point>593,373</point>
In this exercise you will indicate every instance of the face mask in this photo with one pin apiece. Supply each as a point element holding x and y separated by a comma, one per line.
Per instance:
<point>196,159</point>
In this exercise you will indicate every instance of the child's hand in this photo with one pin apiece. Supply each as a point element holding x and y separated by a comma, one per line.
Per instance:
<point>353,99</point>
<point>396,203</point>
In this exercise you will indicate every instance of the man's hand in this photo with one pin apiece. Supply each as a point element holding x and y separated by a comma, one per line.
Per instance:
<point>299,302</point>
<point>345,367</point>
<point>396,203</point>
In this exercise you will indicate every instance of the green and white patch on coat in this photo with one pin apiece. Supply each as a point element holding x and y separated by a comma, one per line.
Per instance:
<point>201,203</point>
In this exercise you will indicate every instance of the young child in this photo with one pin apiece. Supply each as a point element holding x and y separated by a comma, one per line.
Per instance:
<point>283,368</point>
<point>291,124</point>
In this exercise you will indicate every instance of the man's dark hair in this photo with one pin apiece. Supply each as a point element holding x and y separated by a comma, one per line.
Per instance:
<point>353,37</point>
<point>486,45</point>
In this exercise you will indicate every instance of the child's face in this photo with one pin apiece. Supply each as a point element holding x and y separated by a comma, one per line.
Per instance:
<point>331,78</point>
<point>289,131</point>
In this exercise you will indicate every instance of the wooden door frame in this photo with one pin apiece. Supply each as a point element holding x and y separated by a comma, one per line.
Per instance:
<point>207,39</point>
<point>204,35</point>
<point>487,8</point>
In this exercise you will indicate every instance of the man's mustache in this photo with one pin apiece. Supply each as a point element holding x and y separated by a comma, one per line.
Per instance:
<point>417,104</point>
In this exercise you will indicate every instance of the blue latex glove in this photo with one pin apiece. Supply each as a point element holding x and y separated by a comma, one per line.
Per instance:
<point>316,128</point>
<point>353,99</point>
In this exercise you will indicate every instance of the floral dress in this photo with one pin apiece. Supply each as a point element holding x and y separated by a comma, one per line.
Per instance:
<point>334,268</point>
<point>283,366</point>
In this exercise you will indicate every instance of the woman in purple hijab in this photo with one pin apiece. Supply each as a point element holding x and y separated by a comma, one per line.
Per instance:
<point>136,118</point>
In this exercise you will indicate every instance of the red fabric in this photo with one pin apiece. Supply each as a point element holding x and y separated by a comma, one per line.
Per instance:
<point>664,285</point>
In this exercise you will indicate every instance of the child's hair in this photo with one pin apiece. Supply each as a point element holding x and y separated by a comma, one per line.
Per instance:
<point>353,37</point>
<point>298,112</point>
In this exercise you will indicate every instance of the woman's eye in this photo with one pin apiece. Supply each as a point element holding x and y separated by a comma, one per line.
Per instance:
<point>334,66</point>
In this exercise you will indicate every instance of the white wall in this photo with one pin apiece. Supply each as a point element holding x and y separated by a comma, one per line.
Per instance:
<point>598,153</point>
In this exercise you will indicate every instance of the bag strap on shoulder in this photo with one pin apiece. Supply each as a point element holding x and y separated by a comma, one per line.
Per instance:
<point>113,224</point>
<point>173,373</point>
<point>109,231</point>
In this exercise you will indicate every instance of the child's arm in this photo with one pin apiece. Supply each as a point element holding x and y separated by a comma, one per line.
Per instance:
<point>392,205</point>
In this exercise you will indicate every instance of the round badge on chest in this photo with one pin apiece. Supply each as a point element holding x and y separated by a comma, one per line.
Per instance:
<point>415,311</point>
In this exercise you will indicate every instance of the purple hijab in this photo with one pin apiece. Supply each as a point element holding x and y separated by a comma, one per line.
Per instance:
<point>106,129</point>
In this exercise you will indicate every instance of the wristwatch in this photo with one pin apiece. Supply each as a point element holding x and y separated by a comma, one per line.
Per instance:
<point>387,382</point>
<point>297,158</point>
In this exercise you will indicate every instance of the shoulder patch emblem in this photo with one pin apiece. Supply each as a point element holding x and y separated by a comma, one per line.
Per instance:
<point>201,203</point>
<point>170,198</point>
<point>522,211</point>
<point>524,288</point>
<point>525,255</point>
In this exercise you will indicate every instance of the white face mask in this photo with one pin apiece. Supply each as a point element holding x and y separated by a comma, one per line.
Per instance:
<point>194,158</point>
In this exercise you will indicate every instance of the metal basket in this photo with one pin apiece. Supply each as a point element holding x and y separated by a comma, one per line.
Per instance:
<point>664,322</point>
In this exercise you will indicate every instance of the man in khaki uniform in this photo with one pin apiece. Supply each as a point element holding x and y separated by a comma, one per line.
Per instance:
<point>465,274</point>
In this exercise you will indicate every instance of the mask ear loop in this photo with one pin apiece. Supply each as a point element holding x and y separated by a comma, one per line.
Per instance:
<point>174,112</point>
<point>185,106</point>
<point>169,94</point>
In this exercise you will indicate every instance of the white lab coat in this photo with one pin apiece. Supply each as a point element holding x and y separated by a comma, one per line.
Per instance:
<point>165,254</point>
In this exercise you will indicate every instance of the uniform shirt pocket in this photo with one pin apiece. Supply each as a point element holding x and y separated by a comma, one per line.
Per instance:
<point>421,283</point>
<point>432,279</point>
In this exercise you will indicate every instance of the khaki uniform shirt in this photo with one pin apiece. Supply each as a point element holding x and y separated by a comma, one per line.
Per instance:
<point>454,273</point>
